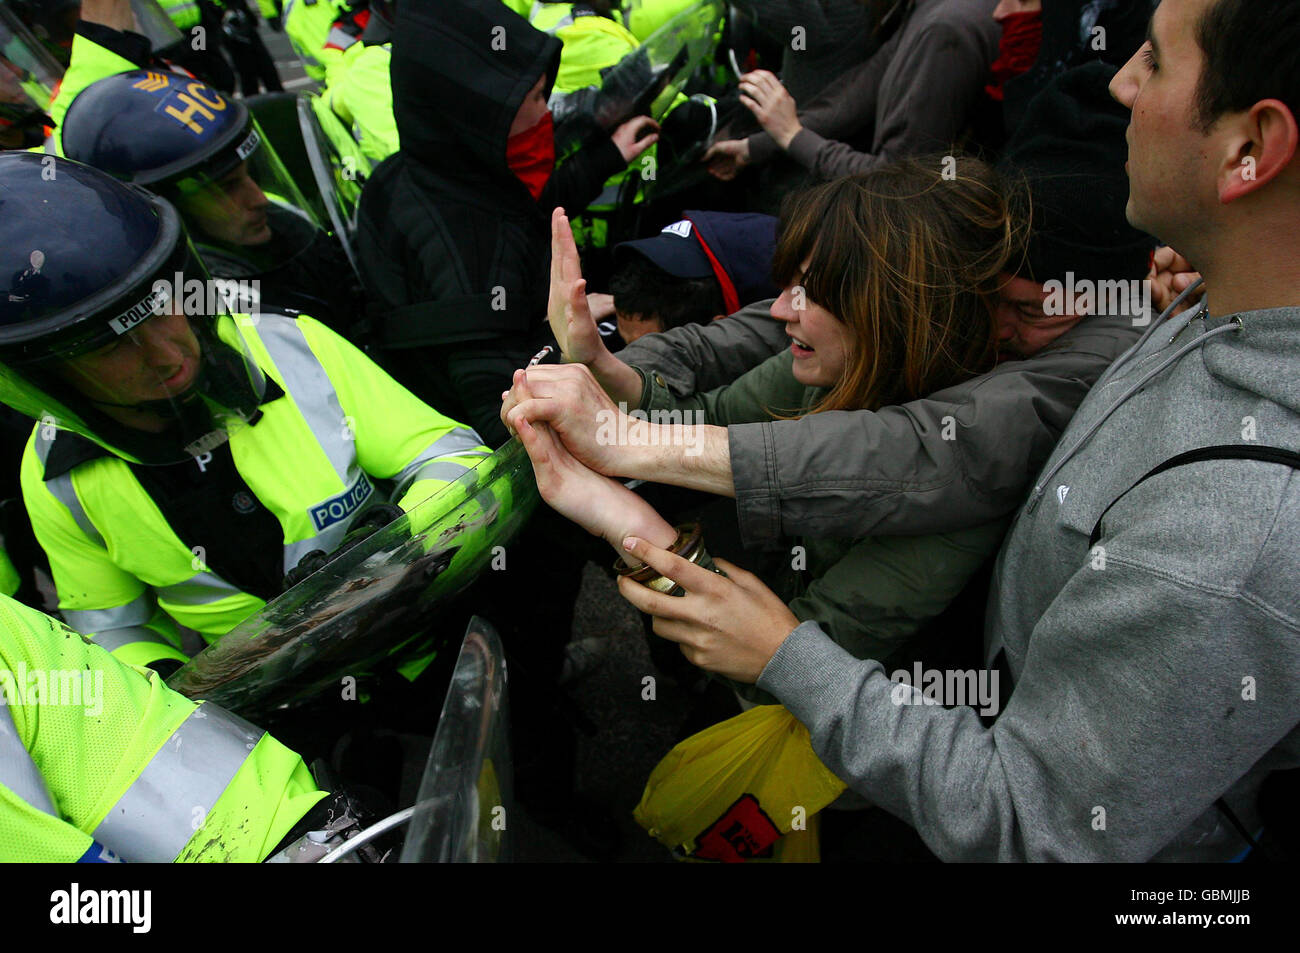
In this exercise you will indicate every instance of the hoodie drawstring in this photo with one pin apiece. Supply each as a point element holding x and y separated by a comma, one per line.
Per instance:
<point>1234,325</point>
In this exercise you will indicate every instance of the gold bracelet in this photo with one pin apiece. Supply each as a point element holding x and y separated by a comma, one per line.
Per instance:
<point>689,545</point>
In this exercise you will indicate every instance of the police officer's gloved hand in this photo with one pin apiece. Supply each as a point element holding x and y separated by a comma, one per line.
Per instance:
<point>276,24</point>
<point>365,525</point>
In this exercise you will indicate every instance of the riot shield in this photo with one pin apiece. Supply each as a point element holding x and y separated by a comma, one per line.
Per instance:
<point>29,76</point>
<point>462,812</point>
<point>648,79</point>
<point>152,21</point>
<point>377,601</point>
<point>337,184</point>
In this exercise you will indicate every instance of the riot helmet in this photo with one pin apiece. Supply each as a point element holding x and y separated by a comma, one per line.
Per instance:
<point>205,153</point>
<point>109,325</point>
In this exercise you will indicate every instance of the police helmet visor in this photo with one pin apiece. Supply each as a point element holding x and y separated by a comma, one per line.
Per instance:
<point>155,368</point>
<point>243,210</point>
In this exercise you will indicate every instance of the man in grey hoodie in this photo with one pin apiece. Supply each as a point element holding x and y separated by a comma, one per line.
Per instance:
<point>1151,627</point>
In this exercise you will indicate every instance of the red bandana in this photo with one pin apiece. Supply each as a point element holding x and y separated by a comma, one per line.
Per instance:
<point>531,155</point>
<point>1022,35</point>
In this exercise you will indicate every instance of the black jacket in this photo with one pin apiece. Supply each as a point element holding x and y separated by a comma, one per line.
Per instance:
<point>453,249</point>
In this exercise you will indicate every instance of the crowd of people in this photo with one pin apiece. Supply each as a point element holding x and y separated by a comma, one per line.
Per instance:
<point>978,310</point>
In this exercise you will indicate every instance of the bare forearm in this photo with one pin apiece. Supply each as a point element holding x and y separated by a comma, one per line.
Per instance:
<point>695,457</point>
<point>618,380</point>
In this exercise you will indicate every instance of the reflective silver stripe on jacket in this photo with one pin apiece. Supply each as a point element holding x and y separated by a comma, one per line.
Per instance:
<point>339,39</point>
<point>198,590</point>
<point>307,383</point>
<point>113,639</point>
<point>62,489</point>
<point>461,442</point>
<point>539,8</point>
<point>170,799</point>
<point>18,772</point>
<point>89,621</point>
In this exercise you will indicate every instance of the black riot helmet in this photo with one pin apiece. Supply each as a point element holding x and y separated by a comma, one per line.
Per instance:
<point>101,330</point>
<point>205,153</point>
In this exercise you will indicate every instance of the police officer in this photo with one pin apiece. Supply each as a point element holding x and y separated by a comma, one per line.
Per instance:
<point>184,459</point>
<point>208,155</point>
<point>360,91</point>
<point>310,27</point>
<point>100,762</point>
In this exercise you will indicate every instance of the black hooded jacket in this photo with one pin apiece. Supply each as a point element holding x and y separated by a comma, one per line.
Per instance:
<point>452,248</point>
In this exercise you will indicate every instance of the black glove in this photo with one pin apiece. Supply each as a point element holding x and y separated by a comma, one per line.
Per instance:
<point>275,24</point>
<point>363,527</point>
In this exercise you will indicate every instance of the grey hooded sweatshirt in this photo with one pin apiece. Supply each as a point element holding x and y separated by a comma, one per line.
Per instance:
<point>1153,673</point>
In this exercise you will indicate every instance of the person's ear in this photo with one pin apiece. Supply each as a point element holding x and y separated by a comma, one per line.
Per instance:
<point>1262,144</point>
<point>717,317</point>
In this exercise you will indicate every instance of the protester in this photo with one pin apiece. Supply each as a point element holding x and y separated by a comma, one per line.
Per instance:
<point>871,323</point>
<point>1145,601</point>
<point>452,229</point>
<point>893,470</point>
<point>695,270</point>
<point>913,96</point>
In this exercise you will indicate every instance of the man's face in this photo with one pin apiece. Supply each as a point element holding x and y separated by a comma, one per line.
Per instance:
<point>1023,326</point>
<point>1171,171</point>
<point>633,326</point>
<point>233,210</point>
<point>531,110</point>
<point>1006,8</point>
<point>155,360</point>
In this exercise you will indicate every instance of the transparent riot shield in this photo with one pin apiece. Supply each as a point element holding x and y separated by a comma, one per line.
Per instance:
<point>152,21</point>
<point>463,811</point>
<point>648,80</point>
<point>338,177</point>
<point>29,76</point>
<point>377,601</point>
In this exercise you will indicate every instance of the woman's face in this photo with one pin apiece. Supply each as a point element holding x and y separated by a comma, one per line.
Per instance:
<point>819,341</point>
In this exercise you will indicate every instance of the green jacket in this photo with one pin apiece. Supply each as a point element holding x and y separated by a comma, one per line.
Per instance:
<point>341,433</point>
<point>96,755</point>
<point>591,43</point>
<point>89,64</point>
<point>361,95</point>
<point>870,594</point>
<point>308,26</point>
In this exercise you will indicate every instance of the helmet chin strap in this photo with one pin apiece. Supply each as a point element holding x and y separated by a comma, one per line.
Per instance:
<point>166,407</point>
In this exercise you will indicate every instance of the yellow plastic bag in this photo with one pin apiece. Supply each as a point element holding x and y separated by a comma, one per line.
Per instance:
<point>749,788</point>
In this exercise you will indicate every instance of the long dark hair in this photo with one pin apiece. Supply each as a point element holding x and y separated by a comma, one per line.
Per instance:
<point>907,257</point>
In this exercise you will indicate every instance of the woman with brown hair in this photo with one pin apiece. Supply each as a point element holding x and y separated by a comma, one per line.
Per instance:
<point>888,280</point>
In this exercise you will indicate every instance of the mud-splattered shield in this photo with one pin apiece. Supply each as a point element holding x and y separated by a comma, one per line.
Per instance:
<point>378,600</point>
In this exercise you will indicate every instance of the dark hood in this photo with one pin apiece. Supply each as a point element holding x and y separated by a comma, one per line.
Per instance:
<point>461,69</point>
